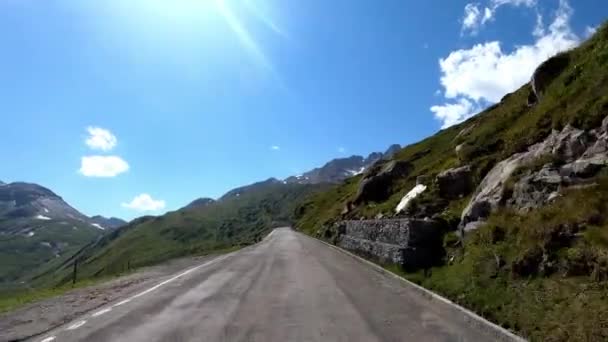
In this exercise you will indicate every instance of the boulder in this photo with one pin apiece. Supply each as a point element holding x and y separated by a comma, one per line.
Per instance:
<point>377,183</point>
<point>571,143</point>
<point>490,192</point>
<point>547,72</point>
<point>582,153</point>
<point>454,183</point>
<point>535,189</point>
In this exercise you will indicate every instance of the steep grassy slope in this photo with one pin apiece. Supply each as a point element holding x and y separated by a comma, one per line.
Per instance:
<point>47,241</point>
<point>579,96</point>
<point>232,222</point>
<point>543,273</point>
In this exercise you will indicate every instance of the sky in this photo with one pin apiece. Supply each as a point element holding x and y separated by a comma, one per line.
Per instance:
<point>126,108</point>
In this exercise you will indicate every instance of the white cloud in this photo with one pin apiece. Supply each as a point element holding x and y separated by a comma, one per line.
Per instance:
<point>341,149</point>
<point>590,31</point>
<point>275,148</point>
<point>144,202</point>
<point>472,14</point>
<point>102,166</point>
<point>474,18</point>
<point>100,139</point>
<point>485,72</point>
<point>453,113</point>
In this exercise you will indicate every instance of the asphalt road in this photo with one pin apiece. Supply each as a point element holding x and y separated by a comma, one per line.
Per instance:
<point>287,288</point>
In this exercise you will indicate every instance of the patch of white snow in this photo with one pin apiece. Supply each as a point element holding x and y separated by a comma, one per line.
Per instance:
<point>417,190</point>
<point>42,217</point>
<point>30,234</point>
<point>46,210</point>
<point>96,225</point>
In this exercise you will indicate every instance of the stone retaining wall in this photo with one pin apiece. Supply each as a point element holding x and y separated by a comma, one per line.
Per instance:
<point>411,243</point>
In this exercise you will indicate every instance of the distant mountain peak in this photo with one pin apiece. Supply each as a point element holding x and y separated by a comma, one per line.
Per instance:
<point>200,202</point>
<point>107,223</point>
<point>339,169</point>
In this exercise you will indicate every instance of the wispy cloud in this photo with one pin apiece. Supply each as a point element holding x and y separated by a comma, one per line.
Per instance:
<point>100,139</point>
<point>275,148</point>
<point>102,166</point>
<point>476,16</point>
<point>341,149</point>
<point>485,73</point>
<point>144,202</point>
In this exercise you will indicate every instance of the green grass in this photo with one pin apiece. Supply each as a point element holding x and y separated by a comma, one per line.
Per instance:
<point>224,225</point>
<point>544,273</point>
<point>578,96</point>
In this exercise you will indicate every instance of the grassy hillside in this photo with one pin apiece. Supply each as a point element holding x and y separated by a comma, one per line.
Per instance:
<point>49,241</point>
<point>542,273</point>
<point>232,222</point>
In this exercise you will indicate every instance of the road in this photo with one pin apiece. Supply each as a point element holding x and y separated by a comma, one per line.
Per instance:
<point>287,288</point>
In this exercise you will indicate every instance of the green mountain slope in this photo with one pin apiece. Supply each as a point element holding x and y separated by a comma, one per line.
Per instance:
<point>540,270</point>
<point>230,222</point>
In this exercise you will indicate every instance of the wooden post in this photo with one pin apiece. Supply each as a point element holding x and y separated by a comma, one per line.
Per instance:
<point>75,272</point>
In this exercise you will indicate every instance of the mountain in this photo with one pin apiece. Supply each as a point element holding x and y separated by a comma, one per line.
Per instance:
<point>337,170</point>
<point>241,217</point>
<point>237,192</point>
<point>107,223</point>
<point>200,202</point>
<point>37,226</point>
<point>521,192</point>
<point>26,200</point>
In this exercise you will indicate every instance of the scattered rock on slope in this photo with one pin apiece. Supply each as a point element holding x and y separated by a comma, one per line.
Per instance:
<point>580,155</point>
<point>454,183</point>
<point>377,182</point>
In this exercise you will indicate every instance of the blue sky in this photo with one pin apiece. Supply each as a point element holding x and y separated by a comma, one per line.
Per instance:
<point>132,107</point>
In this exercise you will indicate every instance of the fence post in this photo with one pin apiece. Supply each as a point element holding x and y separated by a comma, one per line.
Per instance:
<point>74,274</point>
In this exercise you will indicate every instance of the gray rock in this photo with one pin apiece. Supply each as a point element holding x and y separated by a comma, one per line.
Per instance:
<point>489,193</point>
<point>377,182</point>
<point>547,72</point>
<point>422,180</point>
<point>454,183</point>
<point>584,154</point>
<point>571,143</point>
<point>411,243</point>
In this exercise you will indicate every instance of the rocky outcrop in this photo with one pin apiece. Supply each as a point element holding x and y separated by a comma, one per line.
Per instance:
<point>378,180</point>
<point>414,244</point>
<point>454,183</point>
<point>546,73</point>
<point>575,156</point>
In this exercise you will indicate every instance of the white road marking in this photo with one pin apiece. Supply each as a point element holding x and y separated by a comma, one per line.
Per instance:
<point>101,312</point>
<point>216,260</point>
<point>121,303</point>
<point>76,325</point>
<point>48,339</point>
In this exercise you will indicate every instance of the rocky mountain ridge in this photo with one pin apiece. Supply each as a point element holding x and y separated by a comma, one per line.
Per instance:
<point>339,169</point>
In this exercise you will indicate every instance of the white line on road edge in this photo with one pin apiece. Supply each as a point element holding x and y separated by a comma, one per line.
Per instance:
<point>48,339</point>
<point>502,332</point>
<point>101,312</point>
<point>76,325</point>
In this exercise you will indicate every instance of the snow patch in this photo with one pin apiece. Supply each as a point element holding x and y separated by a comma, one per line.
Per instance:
<point>30,234</point>
<point>42,217</point>
<point>96,225</point>
<point>357,172</point>
<point>417,190</point>
<point>46,210</point>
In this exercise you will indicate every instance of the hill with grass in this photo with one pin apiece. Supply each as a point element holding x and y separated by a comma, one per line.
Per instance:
<point>231,222</point>
<point>520,190</point>
<point>36,227</point>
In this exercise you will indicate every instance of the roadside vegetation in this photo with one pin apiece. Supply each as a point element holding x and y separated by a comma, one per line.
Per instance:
<point>542,273</point>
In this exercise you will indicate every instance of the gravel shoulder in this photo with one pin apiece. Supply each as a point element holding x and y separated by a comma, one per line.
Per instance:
<point>37,318</point>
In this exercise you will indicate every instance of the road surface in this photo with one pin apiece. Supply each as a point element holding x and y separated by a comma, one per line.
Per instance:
<point>287,288</point>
